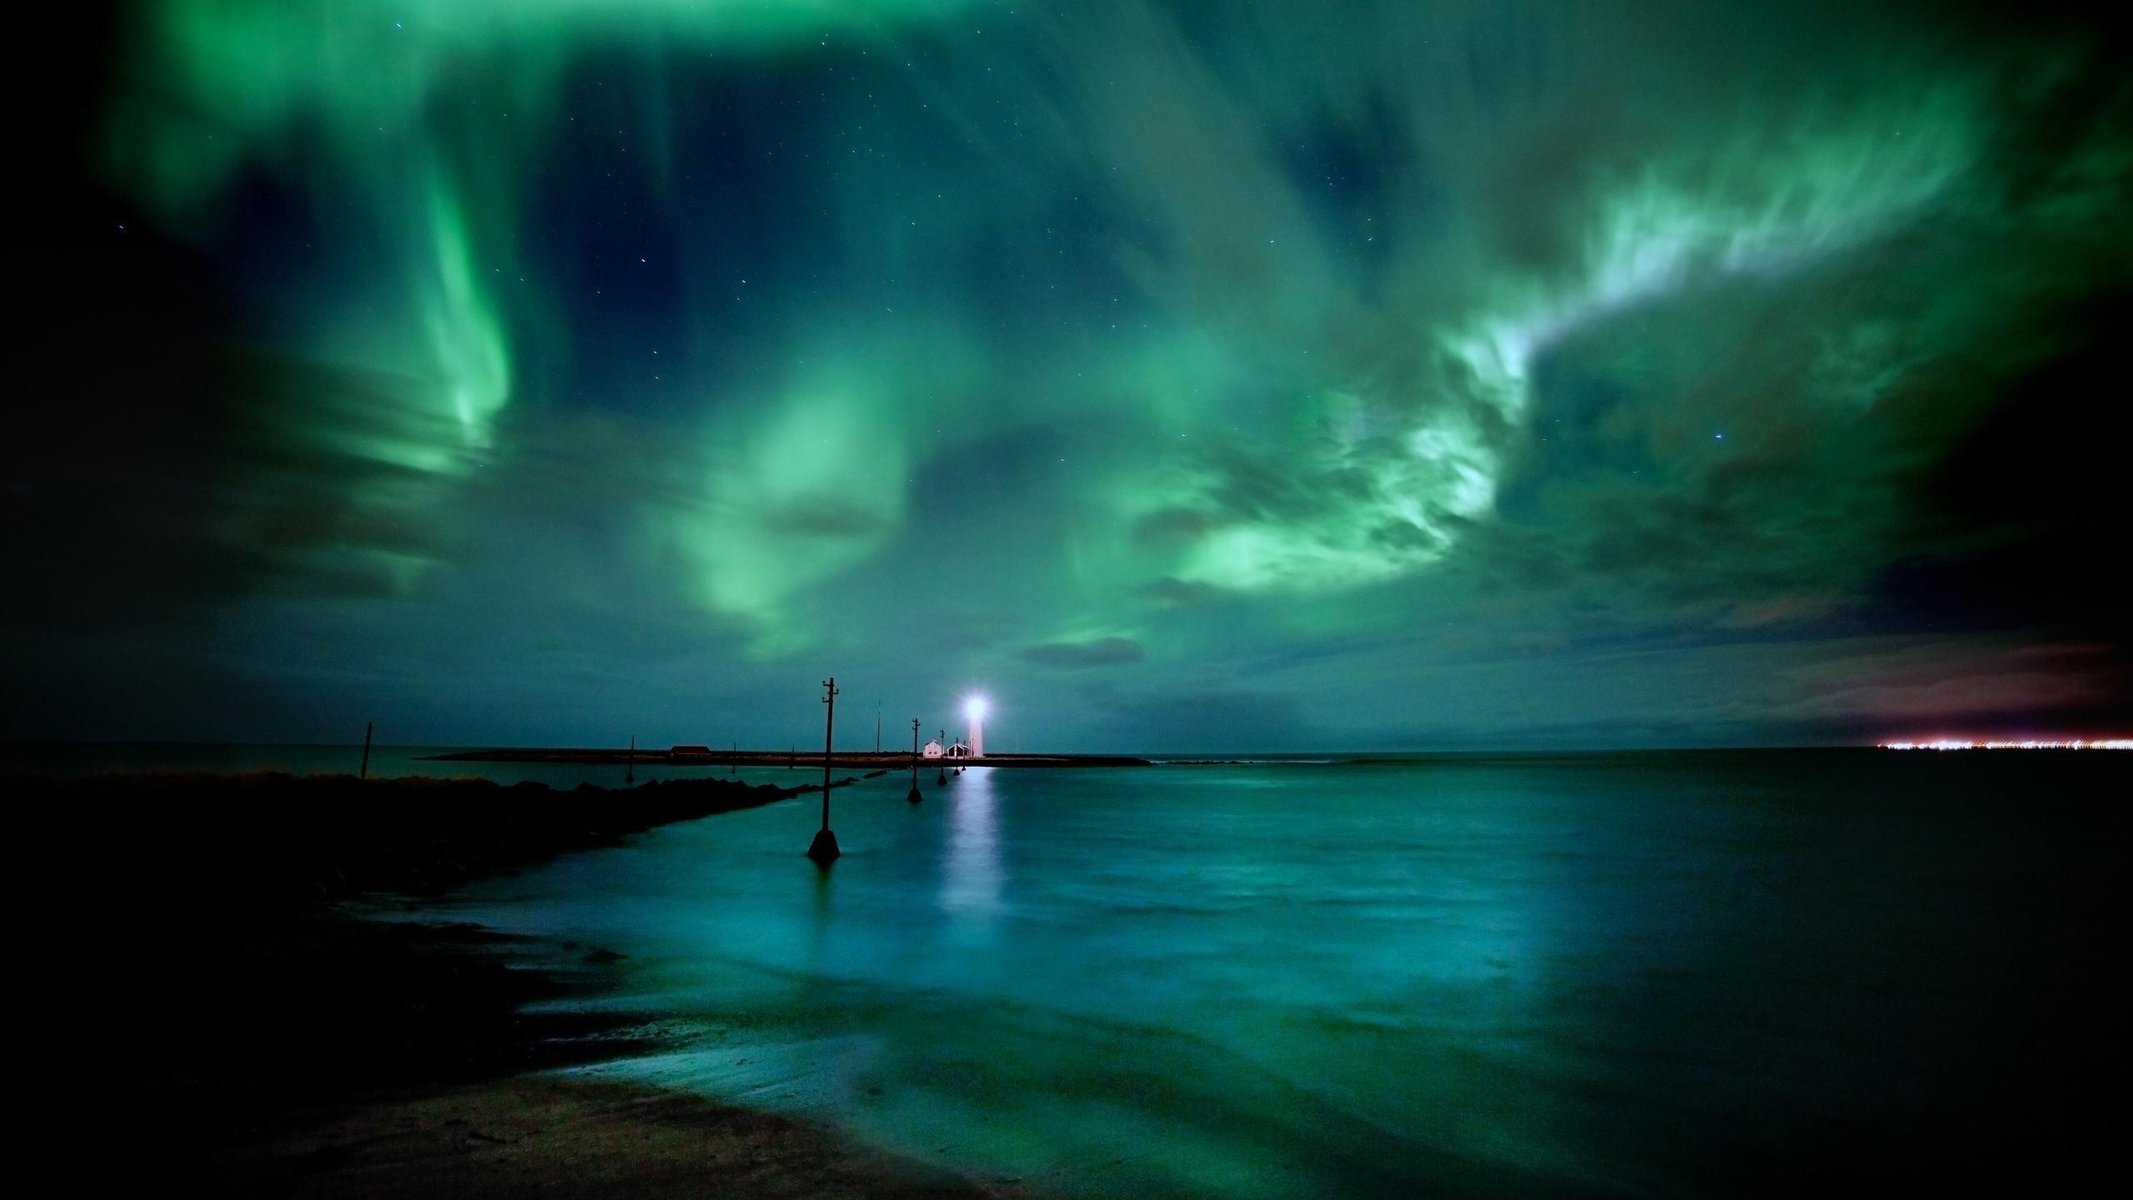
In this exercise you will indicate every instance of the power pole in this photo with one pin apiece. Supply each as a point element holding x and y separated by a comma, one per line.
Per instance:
<point>367,727</point>
<point>914,797</point>
<point>824,848</point>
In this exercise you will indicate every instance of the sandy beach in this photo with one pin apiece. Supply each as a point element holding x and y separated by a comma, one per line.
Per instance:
<point>527,1134</point>
<point>243,1030</point>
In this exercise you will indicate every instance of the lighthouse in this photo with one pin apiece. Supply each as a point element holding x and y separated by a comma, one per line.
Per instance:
<point>974,709</point>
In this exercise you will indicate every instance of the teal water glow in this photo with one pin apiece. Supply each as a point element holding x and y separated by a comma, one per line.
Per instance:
<point>1658,975</point>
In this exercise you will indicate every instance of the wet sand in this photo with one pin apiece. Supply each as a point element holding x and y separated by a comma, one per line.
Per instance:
<point>525,1135</point>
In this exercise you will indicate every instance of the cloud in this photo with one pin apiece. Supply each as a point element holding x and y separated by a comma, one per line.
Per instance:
<point>1215,715</point>
<point>1904,686</point>
<point>1780,610</point>
<point>1173,593</point>
<point>1099,652</point>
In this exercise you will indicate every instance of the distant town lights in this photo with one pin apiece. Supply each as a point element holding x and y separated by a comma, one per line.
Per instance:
<point>1960,744</point>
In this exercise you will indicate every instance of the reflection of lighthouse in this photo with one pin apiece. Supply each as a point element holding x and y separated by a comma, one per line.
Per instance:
<point>974,708</point>
<point>972,874</point>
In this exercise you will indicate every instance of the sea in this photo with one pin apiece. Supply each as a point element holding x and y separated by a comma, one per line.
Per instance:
<point>1648,974</point>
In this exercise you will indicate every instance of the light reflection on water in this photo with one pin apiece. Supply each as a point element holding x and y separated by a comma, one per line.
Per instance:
<point>971,874</point>
<point>1647,974</point>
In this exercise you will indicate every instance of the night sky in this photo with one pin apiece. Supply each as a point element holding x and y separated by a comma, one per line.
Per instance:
<point>1217,376</point>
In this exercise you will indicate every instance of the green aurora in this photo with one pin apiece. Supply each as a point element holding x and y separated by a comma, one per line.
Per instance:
<point>1197,375</point>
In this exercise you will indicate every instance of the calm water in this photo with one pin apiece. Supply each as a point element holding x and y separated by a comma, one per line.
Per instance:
<point>1654,975</point>
<point>1658,975</point>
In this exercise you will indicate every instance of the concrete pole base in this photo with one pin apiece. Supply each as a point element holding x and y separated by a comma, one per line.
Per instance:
<point>824,849</point>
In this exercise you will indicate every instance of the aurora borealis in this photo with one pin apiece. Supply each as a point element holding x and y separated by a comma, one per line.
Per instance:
<point>1191,375</point>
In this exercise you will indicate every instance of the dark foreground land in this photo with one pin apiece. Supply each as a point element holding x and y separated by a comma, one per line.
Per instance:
<point>225,1022</point>
<point>703,756</point>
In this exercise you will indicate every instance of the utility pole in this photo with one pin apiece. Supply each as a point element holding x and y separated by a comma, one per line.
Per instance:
<point>914,797</point>
<point>629,773</point>
<point>824,848</point>
<point>367,727</point>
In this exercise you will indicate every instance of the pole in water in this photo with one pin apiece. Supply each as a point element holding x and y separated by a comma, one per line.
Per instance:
<point>824,848</point>
<point>914,797</point>
<point>943,780</point>
<point>367,727</point>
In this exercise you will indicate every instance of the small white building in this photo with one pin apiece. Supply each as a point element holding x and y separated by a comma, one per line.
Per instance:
<point>934,749</point>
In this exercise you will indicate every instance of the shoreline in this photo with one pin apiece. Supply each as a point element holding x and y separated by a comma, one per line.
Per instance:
<point>244,1027</point>
<point>511,1136</point>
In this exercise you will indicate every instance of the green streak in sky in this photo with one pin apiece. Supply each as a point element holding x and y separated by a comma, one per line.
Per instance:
<point>466,332</point>
<point>1266,307</point>
<point>1753,204</point>
<point>411,129</point>
<point>814,486</point>
<point>219,83</point>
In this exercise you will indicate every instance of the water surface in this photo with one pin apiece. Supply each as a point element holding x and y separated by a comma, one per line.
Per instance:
<point>1641,974</point>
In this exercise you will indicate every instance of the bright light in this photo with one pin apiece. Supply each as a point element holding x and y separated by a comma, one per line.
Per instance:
<point>974,708</point>
<point>1960,744</point>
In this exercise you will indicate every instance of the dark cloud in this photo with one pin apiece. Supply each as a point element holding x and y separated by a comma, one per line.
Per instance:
<point>1987,684</point>
<point>825,517</point>
<point>1097,652</point>
<point>1171,593</point>
<point>1217,716</point>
